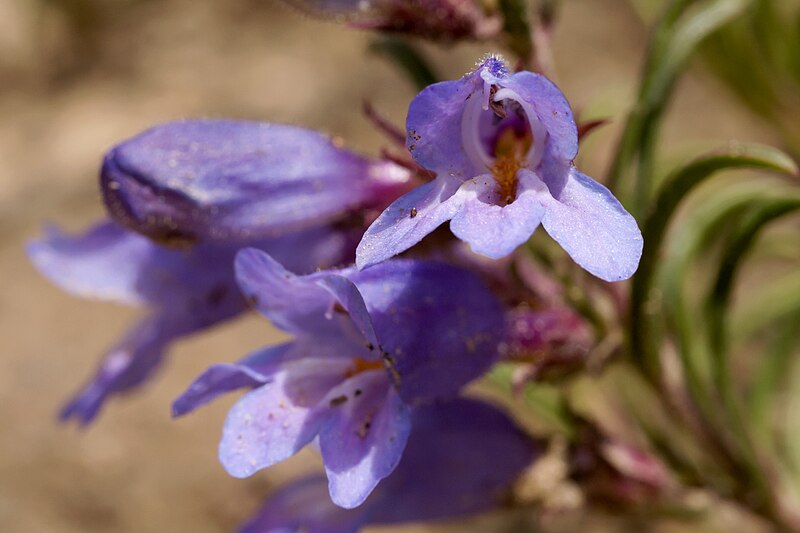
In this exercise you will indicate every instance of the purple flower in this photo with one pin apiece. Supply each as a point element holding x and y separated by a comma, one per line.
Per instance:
<point>185,290</point>
<point>210,187</point>
<point>223,180</point>
<point>368,346</point>
<point>502,146</point>
<point>462,458</point>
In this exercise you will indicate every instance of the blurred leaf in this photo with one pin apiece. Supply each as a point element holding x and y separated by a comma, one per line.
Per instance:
<point>544,401</point>
<point>700,331</point>
<point>700,228</point>
<point>780,298</point>
<point>644,344</point>
<point>407,58</point>
<point>758,59</point>
<point>677,36</point>
<point>772,374</point>
<point>718,300</point>
<point>516,25</point>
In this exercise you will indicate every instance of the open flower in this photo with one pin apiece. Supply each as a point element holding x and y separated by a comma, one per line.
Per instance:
<point>368,347</point>
<point>502,146</point>
<point>185,291</point>
<point>462,458</point>
<point>207,188</point>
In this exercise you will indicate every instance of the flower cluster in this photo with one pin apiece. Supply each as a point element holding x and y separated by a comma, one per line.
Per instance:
<point>208,219</point>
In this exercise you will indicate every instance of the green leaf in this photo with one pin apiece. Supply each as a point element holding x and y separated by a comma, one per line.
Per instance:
<point>699,332</point>
<point>718,300</point>
<point>772,374</point>
<point>679,33</point>
<point>516,26</point>
<point>407,58</point>
<point>644,306</point>
<point>546,402</point>
<point>778,299</point>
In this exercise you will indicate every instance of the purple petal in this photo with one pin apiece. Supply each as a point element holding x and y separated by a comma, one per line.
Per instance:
<point>490,229</point>
<point>190,290</point>
<point>115,264</point>
<point>126,366</point>
<point>433,126</point>
<point>276,420</point>
<point>293,303</point>
<point>593,227</point>
<point>438,325</point>
<point>410,218</point>
<point>310,250</point>
<point>215,180</point>
<point>301,304</point>
<point>462,458</point>
<point>103,263</point>
<point>256,369</point>
<point>112,263</point>
<point>551,108</point>
<point>365,439</point>
<point>304,504</point>
<point>259,367</point>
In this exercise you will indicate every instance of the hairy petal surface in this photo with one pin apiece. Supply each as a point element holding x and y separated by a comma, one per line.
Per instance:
<point>366,438</point>
<point>275,421</point>
<point>407,221</point>
<point>490,229</point>
<point>593,227</point>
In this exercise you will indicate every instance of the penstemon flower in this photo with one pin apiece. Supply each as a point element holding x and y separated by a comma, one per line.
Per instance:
<point>502,146</point>
<point>185,291</point>
<point>462,458</point>
<point>368,347</point>
<point>190,194</point>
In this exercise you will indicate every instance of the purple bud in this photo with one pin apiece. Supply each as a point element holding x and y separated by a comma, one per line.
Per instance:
<point>442,20</point>
<point>222,180</point>
<point>551,342</point>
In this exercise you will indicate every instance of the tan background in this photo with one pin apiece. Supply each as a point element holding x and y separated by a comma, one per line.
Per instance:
<point>67,95</point>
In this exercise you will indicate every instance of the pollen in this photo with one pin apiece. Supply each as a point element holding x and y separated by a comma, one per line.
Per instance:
<point>504,171</point>
<point>362,365</point>
<point>509,151</point>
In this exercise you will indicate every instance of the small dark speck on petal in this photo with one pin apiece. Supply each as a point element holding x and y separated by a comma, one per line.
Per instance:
<point>413,212</point>
<point>339,400</point>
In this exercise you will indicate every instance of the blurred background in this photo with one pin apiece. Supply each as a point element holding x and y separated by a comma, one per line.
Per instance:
<point>78,76</point>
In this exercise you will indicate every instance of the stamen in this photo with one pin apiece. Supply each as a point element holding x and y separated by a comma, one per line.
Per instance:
<point>362,365</point>
<point>509,150</point>
<point>505,170</point>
